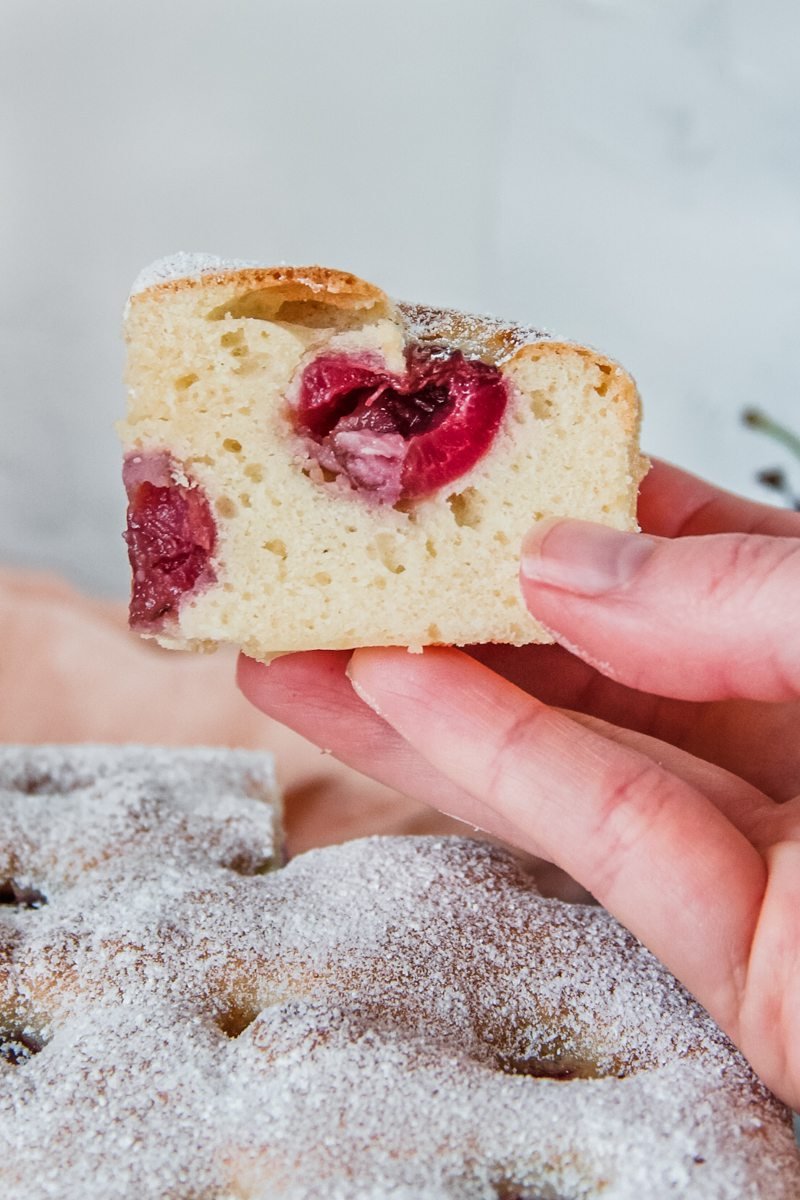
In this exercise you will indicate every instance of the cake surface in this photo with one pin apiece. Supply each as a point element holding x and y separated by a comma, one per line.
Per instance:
<point>391,1017</point>
<point>311,465</point>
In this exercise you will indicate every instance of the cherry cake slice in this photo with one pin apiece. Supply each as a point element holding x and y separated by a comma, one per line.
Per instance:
<point>311,465</point>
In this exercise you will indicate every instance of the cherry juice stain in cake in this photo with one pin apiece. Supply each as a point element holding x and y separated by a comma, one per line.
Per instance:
<point>400,437</point>
<point>171,536</point>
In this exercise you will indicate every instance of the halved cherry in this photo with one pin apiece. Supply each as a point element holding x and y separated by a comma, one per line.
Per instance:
<point>401,436</point>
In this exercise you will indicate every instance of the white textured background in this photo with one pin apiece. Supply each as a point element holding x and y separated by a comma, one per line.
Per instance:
<point>625,171</point>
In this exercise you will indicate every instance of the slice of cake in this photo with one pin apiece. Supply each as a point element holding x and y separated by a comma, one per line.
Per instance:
<point>310,465</point>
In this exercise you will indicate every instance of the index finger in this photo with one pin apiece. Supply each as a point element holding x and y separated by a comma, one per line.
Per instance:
<point>673,503</point>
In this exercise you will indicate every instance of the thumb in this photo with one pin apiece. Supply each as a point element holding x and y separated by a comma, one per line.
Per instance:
<point>697,618</point>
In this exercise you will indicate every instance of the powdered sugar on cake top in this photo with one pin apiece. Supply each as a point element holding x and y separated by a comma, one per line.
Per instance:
<point>373,1020</point>
<point>65,809</point>
<point>185,265</point>
<point>471,332</point>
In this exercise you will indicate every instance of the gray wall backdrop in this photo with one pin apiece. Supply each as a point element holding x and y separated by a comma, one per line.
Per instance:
<point>624,171</point>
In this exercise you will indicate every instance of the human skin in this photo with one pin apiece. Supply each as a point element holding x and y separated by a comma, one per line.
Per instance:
<point>652,753</point>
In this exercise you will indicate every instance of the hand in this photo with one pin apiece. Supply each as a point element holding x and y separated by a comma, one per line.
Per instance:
<point>653,754</point>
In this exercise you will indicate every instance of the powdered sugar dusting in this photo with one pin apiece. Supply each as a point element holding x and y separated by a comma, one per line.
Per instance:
<point>477,336</point>
<point>185,265</point>
<point>65,810</point>
<point>377,1019</point>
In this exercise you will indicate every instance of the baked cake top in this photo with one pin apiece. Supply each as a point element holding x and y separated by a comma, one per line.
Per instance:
<point>389,1017</point>
<point>474,333</point>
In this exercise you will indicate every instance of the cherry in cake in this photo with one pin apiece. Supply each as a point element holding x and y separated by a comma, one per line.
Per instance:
<point>400,437</point>
<point>170,535</point>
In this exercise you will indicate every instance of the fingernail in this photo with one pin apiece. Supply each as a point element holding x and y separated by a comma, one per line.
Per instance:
<point>584,558</point>
<point>361,692</point>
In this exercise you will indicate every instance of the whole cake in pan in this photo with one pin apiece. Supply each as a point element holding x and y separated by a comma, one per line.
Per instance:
<point>311,465</point>
<point>391,1017</point>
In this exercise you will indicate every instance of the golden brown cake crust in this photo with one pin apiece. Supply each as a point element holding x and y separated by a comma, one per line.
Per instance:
<point>339,288</point>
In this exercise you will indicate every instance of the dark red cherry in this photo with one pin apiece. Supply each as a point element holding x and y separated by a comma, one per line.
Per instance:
<point>171,536</point>
<point>401,437</point>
